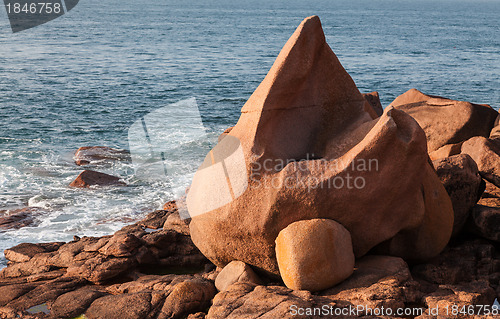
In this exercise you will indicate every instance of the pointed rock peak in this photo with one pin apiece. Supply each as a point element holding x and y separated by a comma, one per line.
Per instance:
<point>306,73</point>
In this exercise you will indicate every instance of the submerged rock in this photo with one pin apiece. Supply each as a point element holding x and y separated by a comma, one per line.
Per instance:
<point>18,218</point>
<point>100,155</point>
<point>90,178</point>
<point>304,134</point>
<point>446,121</point>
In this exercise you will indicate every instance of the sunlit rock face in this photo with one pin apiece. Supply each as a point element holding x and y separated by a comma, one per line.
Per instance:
<point>312,147</point>
<point>446,121</point>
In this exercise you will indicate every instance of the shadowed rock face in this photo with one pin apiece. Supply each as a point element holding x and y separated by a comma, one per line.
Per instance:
<point>486,153</point>
<point>446,121</point>
<point>308,114</point>
<point>461,179</point>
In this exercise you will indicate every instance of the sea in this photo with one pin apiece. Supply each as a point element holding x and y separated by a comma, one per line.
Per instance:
<point>85,78</point>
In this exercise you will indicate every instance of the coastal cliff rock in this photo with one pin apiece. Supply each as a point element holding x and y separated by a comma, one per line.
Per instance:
<point>38,282</point>
<point>446,121</point>
<point>305,130</point>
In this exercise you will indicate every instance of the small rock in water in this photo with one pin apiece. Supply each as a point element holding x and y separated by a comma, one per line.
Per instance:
<point>100,154</point>
<point>89,178</point>
<point>18,218</point>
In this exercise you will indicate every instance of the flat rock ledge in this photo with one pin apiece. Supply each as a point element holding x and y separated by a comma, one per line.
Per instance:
<point>151,269</point>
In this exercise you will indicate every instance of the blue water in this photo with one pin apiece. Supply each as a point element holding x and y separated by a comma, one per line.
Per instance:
<point>84,78</point>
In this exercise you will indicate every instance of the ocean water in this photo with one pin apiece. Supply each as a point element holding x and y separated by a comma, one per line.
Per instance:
<point>85,78</point>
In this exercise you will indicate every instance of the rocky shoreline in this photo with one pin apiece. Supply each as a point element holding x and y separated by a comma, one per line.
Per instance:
<point>420,241</point>
<point>151,269</point>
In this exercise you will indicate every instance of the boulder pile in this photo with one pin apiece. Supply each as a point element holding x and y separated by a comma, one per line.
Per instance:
<point>316,148</point>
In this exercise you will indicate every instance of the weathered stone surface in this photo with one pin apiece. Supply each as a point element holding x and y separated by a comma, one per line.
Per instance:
<point>223,134</point>
<point>174,221</point>
<point>491,196</point>
<point>101,268</point>
<point>235,271</point>
<point>371,269</point>
<point>25,251</point>
<point>379,281</point>
<point>374,101</point>
<point>314,254</point>
<point>74,303</point>
<point>90,178</point>
<point>126,306</point>
<point>460,177</point>
<point>245,300</point>
<point>446,121</point>
<point>308,111</point>
<point>188,297</point>
<point>466,262</point>
<point>446,151</point>
<point>460,296</point>
<point>485,222</point>
<point>486,153</point>
<point>48,292</point>
<point>156,219</point>
<point>100,155</point>
<point>11,292</point>
<point>121,245</point>
<point>464,274</point>
<point>495,132</point>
